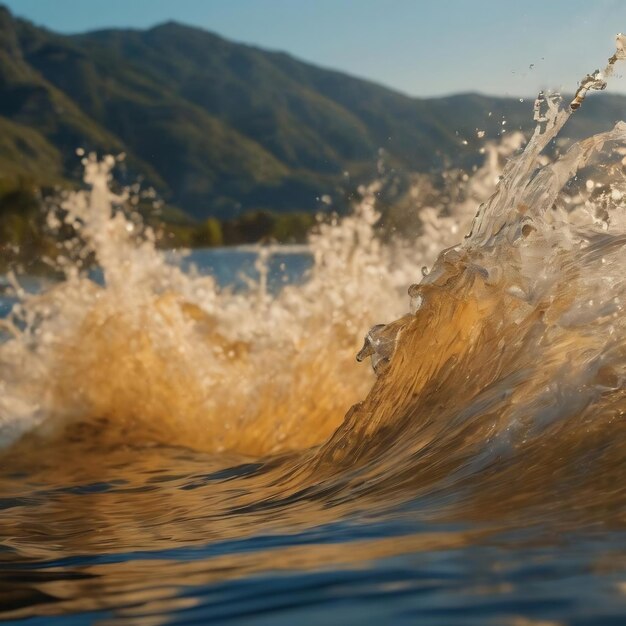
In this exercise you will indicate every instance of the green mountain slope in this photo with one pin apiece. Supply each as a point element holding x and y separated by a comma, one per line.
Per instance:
<point>220,128</point>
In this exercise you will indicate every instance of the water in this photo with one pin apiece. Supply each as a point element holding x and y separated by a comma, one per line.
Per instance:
<point>179,444</point>
<point>236,267</point>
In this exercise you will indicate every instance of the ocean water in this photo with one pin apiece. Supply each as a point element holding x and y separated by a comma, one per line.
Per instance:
<point>190,439</point>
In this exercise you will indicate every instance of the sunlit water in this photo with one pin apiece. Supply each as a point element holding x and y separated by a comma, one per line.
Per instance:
<point>179,444</point>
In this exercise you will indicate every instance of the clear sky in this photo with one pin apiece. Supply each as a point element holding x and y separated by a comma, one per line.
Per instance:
<point>420,47</point>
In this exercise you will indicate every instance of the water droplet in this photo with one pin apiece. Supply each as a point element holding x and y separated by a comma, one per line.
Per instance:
<point>379,344</point>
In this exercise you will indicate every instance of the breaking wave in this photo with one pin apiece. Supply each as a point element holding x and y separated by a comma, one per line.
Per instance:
<point>508,366</point>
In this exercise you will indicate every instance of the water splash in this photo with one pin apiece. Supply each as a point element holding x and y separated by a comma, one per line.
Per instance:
<point>157,355</point>
<point>517,336</point>
<point>154,354</point>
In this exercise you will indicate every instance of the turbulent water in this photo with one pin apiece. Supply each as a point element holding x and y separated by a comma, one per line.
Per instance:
<point>176,450</point>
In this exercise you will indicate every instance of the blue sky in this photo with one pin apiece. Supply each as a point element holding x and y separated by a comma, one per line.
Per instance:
<point>420,47</point>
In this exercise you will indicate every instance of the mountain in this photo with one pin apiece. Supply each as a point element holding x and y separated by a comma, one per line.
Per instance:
<point>220,128</point>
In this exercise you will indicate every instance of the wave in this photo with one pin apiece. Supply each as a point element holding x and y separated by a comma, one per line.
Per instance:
<point>508,368</point>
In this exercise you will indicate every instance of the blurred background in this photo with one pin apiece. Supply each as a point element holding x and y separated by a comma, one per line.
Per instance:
<point>240,122</point>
